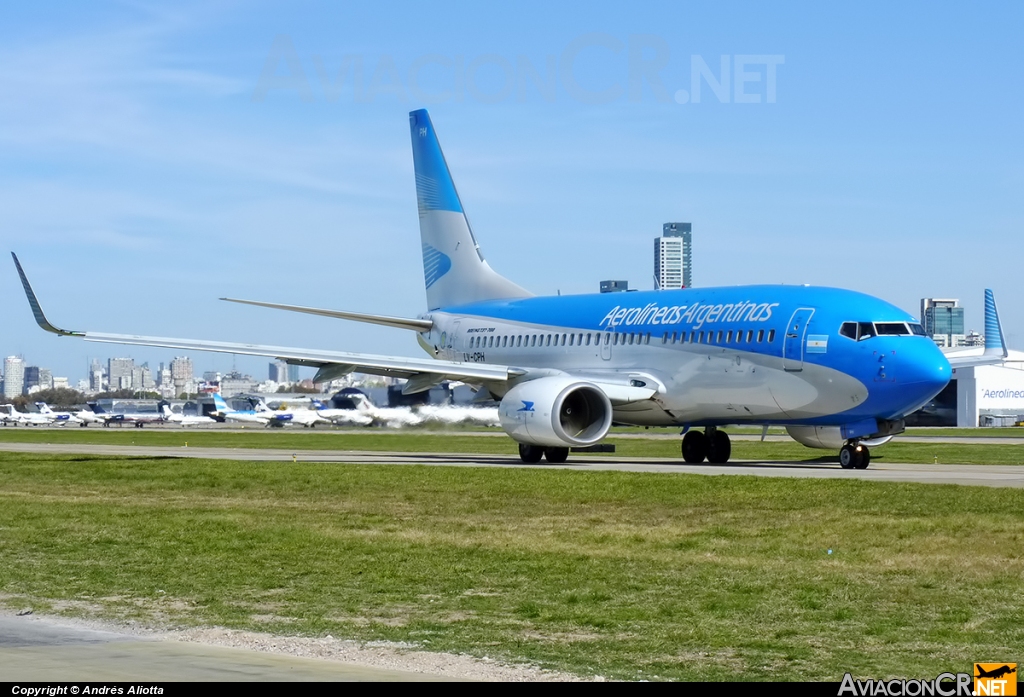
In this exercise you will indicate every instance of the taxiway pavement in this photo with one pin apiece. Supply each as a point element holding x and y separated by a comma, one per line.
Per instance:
<point>971,475</point>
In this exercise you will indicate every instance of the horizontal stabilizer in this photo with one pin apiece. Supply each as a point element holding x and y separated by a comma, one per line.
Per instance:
<point>417,325</point>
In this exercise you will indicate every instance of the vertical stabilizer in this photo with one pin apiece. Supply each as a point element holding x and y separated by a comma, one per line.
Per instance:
<point>454,270</point>
<point>995,345</point>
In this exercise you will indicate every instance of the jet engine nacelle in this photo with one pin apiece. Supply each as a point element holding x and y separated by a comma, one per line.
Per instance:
<point>827,437</point>
<point>556,412</point>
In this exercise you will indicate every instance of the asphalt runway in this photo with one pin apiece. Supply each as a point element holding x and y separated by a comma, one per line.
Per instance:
<point>47,650</point>
<point>970,475</point>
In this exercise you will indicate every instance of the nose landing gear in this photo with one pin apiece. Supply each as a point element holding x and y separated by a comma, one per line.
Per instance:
<point>854,455</point>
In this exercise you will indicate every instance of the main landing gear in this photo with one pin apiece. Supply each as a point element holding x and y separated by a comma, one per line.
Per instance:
<point>713,445</point>
<point>533,453</point>
<point>854,456</point>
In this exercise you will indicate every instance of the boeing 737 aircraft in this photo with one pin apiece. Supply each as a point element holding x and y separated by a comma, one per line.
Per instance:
<point>839,369</point>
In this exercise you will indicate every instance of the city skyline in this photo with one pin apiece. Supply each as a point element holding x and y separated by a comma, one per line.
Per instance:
<point>153,164</point>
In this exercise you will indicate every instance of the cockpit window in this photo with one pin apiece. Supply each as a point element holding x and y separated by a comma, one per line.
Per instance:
<point>892,329</point>
<point>917,330</point>
<point>858,331</point>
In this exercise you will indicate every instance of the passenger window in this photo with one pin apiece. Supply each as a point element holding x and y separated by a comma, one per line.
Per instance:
<point>718,337</point>
<point>570,339</point>
<point>579,340</point>
<point>728,337</point>
<point>607,338</point>
<point>760,335</point>
<point>664,338</point>
<point>700,338</point>
<point>519,340</point>
<point>588,339</point>
<point>750,336</point>
<point>771,336</point>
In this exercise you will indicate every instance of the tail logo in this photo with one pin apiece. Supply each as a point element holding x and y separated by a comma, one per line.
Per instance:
<point>435,265</point>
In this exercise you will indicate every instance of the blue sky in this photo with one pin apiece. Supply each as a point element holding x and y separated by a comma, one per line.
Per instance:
<point>153,158</point>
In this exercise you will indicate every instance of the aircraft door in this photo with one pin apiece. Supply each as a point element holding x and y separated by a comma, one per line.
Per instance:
<point>606,345</point>
<point>793,342</point>
<point>454,347</point>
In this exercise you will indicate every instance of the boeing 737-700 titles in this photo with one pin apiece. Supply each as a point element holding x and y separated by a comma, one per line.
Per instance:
<point>839,369</point>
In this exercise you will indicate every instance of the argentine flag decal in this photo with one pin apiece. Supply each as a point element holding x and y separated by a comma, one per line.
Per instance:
<point>435,264</point>
<point>817,343</point>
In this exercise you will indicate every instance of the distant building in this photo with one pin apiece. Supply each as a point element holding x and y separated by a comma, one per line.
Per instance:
<point>293,373</point>
<point>95,376</point>
<point>278,372</point>
<point>31,377</point>
<point>943,321</point>
<point>45,379</point>
<point>119,373</point>
<point>182,375</point>
<point>614,286</point>
<point>672,256</point>
<point>235,383</point>
<point>14,376</point>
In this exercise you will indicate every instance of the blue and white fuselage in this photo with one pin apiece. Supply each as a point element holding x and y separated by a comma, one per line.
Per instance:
<point>748,354</point>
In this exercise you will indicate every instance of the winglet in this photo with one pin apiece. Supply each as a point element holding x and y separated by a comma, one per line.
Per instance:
<point>37,311</point>
<point>995,344</point>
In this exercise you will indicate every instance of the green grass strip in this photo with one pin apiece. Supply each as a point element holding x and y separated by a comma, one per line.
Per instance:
<point>619,574</point>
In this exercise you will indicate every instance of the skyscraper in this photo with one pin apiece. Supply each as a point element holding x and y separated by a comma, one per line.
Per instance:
<point>182,374</point>
<point>119,373</point>
<point>279,371</point>
<point>943,320</point>
<point>672,256</point>
<point>14,376</point>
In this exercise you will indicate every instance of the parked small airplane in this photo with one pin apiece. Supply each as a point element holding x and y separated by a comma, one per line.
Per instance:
<point>60,418</point>
<point>839,369</point>
<point>136,418</point>
<point>10,416</point>
<point>183,420</point>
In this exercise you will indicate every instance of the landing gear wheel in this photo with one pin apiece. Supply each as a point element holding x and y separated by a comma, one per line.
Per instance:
<point>556,455</point>
<point>719,447</point>
<point>854,456</point>
<point>695,447</point>
<point>530,453</point>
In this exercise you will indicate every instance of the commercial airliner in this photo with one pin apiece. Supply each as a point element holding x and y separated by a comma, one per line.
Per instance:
<point>839,369</point>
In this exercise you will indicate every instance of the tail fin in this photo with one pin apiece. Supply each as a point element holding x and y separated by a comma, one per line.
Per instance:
<point>995,345</point>
<point>96,408</point>
<point>219,404</point>
<point>454,270</point>
<point>43,408</point>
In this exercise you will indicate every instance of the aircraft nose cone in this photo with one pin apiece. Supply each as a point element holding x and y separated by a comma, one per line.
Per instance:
<point>925,372</point>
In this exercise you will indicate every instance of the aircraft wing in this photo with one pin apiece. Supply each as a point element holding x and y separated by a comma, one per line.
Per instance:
<point>421,373</point>
<point>340,362</point>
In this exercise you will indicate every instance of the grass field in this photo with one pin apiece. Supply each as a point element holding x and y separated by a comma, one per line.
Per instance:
<point>619,574</point>
<point>788,451</point>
